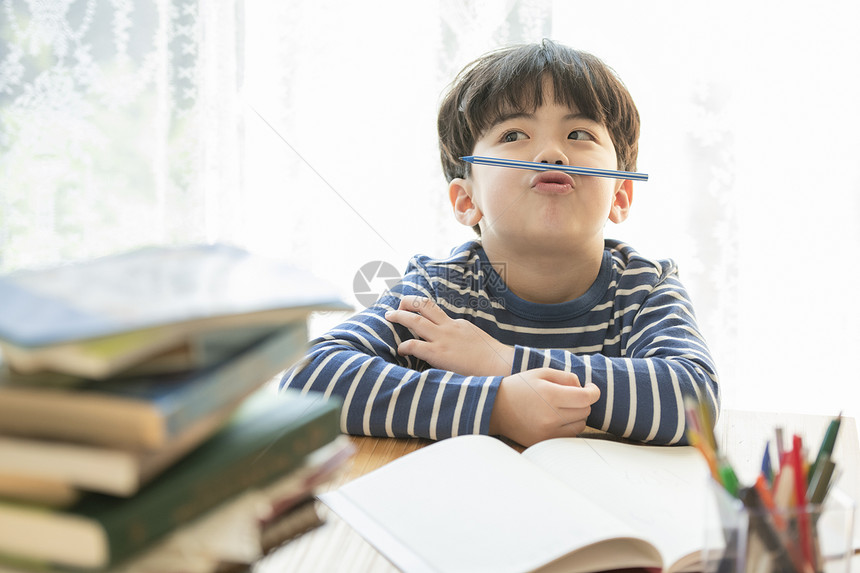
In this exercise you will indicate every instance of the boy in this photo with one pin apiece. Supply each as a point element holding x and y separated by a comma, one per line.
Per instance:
<point>541,326</point>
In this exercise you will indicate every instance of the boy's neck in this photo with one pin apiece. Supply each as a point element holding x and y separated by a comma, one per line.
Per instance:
<point>547,277</point>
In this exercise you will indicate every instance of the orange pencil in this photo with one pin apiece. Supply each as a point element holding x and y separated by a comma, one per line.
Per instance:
<point>767,498</point>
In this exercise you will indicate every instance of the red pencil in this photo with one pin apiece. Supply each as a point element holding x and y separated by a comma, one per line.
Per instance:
<point>800,501</point>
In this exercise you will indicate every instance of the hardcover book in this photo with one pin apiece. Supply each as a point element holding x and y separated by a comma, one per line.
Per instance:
<point>169,306</point>
<point>270,436</point>
<point>145,412</point>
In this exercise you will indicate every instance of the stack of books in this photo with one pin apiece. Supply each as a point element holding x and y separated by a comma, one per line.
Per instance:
<point>138,428</point>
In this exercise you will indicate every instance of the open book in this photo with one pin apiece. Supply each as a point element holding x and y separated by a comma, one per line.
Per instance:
<point>472,503</point>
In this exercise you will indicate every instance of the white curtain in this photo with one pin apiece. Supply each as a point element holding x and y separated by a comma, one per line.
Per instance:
<point>314,137</point>
<point>119,126</point>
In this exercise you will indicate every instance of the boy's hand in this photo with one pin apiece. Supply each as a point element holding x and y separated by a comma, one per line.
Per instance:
<point>542,403</point>
<point>449,344</point>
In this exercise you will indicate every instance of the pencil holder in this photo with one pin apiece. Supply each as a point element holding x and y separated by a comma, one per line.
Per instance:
<point>747,537</point>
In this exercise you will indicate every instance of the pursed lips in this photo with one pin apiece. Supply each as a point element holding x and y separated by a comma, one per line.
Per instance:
<point>552,182</point>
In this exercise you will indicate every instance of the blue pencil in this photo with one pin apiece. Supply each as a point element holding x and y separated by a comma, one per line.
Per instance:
<point>479,160</point>
<point>766,468</point>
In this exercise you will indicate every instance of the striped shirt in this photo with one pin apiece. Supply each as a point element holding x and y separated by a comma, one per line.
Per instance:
<point>633,334</point>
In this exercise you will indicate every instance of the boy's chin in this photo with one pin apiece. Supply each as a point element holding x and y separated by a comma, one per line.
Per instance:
<point>558,243</point>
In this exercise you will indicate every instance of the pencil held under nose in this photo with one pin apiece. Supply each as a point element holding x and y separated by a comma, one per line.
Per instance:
<point>512,163</point>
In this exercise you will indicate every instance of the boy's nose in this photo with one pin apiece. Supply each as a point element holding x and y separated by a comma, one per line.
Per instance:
<point>551,154</point>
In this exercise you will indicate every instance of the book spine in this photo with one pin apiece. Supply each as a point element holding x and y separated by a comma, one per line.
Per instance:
<point>146,413</point>
<point>192,488</point>
<point>237,379</point>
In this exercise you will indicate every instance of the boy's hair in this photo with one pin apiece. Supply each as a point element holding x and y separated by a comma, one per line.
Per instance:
<point>512,78</point>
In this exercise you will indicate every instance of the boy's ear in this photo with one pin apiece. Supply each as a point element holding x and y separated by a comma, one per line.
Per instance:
<point>465,210</point>
<point>621,203</point>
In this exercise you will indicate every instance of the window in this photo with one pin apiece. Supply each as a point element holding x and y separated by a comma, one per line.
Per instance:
<point>307,129</point>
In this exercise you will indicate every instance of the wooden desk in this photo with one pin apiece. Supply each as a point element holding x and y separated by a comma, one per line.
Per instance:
<point>335,547</point>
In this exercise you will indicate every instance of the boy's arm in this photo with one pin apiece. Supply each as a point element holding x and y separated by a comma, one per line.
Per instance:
<point>388,395</point>
<point>385,394</point>
<point>664,359</point>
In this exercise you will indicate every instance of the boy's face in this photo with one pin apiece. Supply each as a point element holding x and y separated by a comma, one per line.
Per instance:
<point>518,208</point>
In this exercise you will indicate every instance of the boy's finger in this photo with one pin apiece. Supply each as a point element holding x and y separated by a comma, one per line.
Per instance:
<point>568,430</point>
<point>575,397</point>
<point>559,377</point>
<point>592,391</point>
<point>423,306</point>
<point>588,394</point>
<point>413,347</point>
<point>573,429</point>
<point>414,322</point>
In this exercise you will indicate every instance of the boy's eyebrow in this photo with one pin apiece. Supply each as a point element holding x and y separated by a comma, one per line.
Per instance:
<point>512,115</point>
<point>526,115</point>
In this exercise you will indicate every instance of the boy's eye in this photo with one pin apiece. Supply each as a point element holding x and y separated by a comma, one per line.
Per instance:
<point>580,135</point>
<point>513,135</point>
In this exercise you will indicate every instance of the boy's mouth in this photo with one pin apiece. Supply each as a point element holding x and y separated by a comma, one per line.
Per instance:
<point>552,182</point>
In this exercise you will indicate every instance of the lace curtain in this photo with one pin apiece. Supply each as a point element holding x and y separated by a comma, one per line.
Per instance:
<point>118,125</point>
<point>307,129</point>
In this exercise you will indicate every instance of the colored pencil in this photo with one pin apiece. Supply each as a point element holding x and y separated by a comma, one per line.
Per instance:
<point>496,162</point>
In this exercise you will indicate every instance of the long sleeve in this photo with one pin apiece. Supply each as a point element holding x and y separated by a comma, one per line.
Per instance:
<point>646,370</point>
<point>385,394</point>
<point>633,334</point>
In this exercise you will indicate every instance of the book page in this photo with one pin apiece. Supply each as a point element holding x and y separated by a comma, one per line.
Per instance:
<point>661,491</point>
<point>472,503</point>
